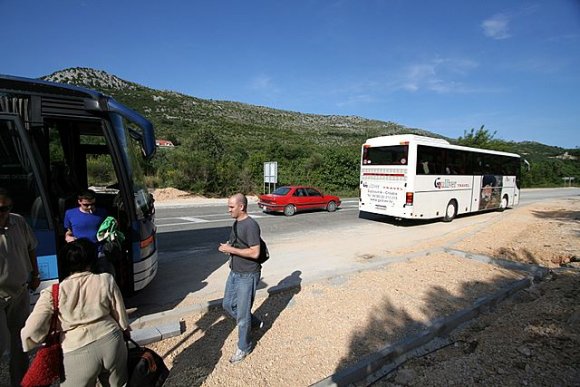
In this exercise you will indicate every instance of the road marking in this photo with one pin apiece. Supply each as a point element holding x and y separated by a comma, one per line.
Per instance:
<point>257,214</point>
<point>198,220</point>
<point>193,220</point>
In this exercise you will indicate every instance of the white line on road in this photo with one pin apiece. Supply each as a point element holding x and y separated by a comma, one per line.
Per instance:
<point>224,220</point>
<point>193,220</point>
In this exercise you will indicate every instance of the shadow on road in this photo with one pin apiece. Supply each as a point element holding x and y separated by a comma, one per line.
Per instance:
<point>395,221</point>
<point>186,260</point>
<point>411,222</point>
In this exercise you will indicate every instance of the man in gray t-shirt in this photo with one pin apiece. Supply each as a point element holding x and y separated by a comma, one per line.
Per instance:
<point>242,283</point>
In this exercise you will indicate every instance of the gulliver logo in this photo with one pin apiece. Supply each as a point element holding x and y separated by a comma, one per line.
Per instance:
<point>444,183</point>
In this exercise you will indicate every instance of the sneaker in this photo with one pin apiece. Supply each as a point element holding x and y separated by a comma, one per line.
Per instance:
<point>239,356</point>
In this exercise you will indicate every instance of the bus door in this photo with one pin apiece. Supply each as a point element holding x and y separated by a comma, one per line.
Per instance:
<point>82,158</point>
<point>22,174</point>
<point>487,185</point>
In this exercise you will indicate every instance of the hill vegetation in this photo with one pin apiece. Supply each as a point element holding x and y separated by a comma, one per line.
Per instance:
<point>221,145</point>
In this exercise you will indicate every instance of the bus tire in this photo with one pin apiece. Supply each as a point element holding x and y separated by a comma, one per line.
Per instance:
<point>331,206</point>
<point>450,211</point>
<point>289,210</point>
<point>504,203</point>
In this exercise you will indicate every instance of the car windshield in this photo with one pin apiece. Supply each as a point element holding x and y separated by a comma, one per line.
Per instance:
<point>281,191</point>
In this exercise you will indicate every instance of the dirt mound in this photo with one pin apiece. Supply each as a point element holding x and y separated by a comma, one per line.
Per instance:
<point>165,194</point>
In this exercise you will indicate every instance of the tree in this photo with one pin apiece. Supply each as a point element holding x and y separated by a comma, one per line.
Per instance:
<point>482,138</point>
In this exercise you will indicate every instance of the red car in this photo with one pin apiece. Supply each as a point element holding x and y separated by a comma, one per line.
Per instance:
<point>292,198</point>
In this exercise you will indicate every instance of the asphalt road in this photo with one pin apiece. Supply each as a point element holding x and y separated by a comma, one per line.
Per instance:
<point>307,246</point>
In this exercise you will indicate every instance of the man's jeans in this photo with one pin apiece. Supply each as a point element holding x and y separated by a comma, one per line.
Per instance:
<point>238,300</point>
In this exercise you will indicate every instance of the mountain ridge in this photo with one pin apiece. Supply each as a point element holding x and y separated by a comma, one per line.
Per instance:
<point>179,106</point>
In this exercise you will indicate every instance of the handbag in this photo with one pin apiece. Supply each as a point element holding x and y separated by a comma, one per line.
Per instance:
<point>145,367</point>
<point>47,366</point>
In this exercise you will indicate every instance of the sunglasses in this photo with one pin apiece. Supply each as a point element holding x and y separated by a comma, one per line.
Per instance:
<point>5,208</point>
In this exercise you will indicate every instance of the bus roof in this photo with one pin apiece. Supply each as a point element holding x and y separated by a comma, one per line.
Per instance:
<point>97,101</point>
<point>10,82</point>
<point>402,139</point>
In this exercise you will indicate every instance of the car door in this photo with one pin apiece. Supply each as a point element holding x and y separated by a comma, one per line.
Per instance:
<point>300,199</point>
<point>315,198</point>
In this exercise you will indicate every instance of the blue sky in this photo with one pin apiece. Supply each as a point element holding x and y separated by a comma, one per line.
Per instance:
<point>445,66</point>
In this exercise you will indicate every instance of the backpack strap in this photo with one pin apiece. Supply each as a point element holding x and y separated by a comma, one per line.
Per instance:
<point>54,319</point>
<point>235,227</point>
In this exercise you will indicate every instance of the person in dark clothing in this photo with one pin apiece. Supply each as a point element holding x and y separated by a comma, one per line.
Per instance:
<point>243,248</point>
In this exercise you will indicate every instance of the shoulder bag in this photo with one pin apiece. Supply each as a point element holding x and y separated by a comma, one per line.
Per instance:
<point>146,367</point>
<point>264,253</point>
<point>47,366</point>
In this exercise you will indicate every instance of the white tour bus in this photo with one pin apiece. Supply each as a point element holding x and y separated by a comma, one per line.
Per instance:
<point>415,177</point>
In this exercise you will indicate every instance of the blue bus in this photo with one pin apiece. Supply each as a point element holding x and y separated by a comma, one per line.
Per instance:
<point>57,140</point>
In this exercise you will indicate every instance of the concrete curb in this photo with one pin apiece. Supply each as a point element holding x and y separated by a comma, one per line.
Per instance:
<point>379,364</point>
<point>538,272</point>
<point>144,322</point>
<point>150,335</point>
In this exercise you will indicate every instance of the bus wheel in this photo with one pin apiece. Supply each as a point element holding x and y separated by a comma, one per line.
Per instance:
<point>331,206</point>
<point>451,211</point>
<point>504,203</point>
<point>289,210</point>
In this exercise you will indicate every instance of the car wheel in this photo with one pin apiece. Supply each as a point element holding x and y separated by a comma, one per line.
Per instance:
<point>289,210</point>
<point>331,206</point>
<point>451,211</point>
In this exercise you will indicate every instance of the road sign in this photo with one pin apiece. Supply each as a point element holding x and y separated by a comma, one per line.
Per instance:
<point>271,172</point>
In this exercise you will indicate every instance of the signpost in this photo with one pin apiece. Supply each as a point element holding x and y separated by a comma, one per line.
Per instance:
<point>270,175</point>
<point>569,180</point>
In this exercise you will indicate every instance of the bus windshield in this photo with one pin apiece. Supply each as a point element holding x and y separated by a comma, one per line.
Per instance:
<point>386,155</point>
<point>132,151</point>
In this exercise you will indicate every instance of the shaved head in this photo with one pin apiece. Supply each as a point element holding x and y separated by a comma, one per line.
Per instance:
<point>241,199</point>
<point>237,206</point>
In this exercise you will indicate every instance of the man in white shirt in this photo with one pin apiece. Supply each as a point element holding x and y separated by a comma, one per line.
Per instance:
<point>18,273</point>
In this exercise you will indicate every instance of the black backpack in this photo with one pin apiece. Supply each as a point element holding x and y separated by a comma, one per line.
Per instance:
<point>264,253</point>
<point>146,367</point>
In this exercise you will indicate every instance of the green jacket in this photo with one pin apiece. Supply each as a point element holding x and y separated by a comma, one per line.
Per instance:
<point>109,231</point>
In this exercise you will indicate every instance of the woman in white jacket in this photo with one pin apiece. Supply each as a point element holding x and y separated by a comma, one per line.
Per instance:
<point>92,319</point>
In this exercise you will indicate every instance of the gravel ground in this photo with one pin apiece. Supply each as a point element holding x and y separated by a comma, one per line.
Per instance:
<point>532,339</point>
<point>315,330</point>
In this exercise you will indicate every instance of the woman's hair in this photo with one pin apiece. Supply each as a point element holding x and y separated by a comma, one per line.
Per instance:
<point>79,255</point>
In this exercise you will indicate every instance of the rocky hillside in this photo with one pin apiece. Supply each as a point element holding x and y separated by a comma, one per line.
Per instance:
<point>174,114</point>
<point>90,78</point>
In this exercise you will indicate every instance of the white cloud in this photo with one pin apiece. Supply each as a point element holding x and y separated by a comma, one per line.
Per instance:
<point>496,27</point>
<point>438,75</point>
<point>262,83</point>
